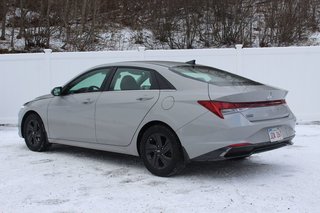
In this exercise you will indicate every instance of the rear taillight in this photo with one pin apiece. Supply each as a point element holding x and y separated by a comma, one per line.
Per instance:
<point>217,106</point>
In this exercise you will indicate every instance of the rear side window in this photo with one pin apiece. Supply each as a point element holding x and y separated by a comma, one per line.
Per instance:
<point>133,79</point>
<point>212,75</point>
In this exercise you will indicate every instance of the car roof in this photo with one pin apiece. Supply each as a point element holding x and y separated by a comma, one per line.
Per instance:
<point>141,63</point>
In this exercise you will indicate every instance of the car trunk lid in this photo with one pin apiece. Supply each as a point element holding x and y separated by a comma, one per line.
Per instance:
<point>255,102</point>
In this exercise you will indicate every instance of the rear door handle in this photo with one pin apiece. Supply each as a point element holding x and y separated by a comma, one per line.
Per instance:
<point>87,101</point>
<point>144,98</point>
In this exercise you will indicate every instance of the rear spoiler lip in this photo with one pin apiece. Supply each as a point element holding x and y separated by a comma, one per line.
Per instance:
<point>245,94</point>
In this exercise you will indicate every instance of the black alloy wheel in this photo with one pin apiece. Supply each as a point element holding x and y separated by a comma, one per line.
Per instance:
<point>161,151</point>
<point>34,133</point>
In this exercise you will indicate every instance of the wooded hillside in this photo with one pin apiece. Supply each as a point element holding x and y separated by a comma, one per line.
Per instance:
<point>83,25</point>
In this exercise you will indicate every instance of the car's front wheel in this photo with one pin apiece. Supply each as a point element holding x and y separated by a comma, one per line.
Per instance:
<point>34,133</point>
<point>161,151</point>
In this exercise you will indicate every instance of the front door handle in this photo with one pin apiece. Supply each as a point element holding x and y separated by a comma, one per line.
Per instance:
<point>144,98</point>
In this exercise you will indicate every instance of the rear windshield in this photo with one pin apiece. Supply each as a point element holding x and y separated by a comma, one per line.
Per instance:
<point>212,75</point>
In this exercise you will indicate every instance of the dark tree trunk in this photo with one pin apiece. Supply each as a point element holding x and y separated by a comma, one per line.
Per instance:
<point>4,8</point>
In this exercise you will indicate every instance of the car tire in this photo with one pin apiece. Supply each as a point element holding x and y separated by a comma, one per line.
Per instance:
<point>34,134</point>
<point>161,151</point>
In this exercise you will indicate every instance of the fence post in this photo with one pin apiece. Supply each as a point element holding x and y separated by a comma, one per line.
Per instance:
<point>141,51</point>
<point>47,53</point>
<point>239,58</point>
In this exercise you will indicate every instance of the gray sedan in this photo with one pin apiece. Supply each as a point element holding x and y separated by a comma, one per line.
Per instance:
<point>168,113</point>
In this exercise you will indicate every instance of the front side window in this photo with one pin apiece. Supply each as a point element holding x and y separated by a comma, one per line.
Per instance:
<point>133,79</point>
<point>212,75</point>
<point>89,82</point>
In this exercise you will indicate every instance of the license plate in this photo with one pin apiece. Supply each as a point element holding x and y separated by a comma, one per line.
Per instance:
<point>275,134</point>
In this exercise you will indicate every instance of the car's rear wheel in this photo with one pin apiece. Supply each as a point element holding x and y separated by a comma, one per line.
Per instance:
<point>161,151</point>
<point>34,133</point>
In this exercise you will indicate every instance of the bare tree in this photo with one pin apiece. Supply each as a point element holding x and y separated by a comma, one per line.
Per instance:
<point>3,15</point>
<point>81,24</point>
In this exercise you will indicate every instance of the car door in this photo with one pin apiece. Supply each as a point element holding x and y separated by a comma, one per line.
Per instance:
<point>71,115</point>
<point>120,110</point>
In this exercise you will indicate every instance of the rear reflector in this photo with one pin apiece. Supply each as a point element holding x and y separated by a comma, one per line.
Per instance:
<point>239,145</point>
<point>217,106</point>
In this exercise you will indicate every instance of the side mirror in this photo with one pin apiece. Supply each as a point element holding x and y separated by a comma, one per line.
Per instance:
<point>56,91</point>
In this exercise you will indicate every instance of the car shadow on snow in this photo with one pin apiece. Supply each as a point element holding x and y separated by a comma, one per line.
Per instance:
<point>249,167</point>
<point>97,155</point>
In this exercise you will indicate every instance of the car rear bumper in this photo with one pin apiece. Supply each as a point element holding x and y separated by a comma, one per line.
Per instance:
<point>243,151</point>
<point>208,133</point>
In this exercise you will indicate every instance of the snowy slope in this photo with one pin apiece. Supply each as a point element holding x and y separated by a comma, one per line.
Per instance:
<point>68,179</point>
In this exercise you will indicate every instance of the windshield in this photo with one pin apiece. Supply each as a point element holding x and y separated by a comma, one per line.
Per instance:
<point>212,75</point>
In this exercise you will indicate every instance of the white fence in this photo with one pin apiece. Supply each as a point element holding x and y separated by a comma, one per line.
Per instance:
<point>26,76</point>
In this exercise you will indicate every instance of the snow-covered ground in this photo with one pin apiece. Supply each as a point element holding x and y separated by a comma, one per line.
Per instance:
<point>68,179</point>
